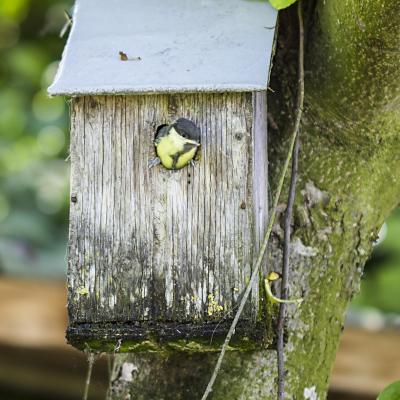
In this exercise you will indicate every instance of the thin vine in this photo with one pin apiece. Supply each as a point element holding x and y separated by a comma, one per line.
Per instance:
<point>264,245</point>
<point>288,215</point>
<point>91,357</point>
<point>253,275</point>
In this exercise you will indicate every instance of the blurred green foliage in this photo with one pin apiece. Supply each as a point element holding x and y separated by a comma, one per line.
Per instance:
<point>281,4</point>
<point>33,140</point>
<point>392,392</point>
<point>380,287</point>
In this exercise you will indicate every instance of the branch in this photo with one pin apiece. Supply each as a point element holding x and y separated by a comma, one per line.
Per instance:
<point>288,214</point>
<point>91,359</point>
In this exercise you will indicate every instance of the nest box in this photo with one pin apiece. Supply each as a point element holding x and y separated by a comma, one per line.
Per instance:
<point>159,256</point>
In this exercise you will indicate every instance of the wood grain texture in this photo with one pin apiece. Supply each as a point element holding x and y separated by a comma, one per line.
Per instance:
<point>153,245</point>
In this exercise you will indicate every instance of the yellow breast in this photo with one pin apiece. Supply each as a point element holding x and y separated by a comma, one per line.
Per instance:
<point>175,151</point>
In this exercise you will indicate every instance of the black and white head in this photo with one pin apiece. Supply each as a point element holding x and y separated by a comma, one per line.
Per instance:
<point>187,129</point>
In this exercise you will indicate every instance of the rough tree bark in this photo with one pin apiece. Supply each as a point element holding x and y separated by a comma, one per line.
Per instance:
<point>348,184</point>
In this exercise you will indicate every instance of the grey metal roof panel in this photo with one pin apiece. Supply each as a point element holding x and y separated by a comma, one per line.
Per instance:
<point>172,46</point>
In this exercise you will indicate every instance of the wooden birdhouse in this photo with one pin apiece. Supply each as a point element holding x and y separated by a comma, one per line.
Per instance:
<point>160,256</point>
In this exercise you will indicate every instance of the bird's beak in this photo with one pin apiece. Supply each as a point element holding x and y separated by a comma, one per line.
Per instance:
<point>193,144</point>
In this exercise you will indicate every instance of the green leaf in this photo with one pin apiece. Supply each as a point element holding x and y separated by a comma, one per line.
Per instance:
<point>391,392</point>
<point>280,4</point>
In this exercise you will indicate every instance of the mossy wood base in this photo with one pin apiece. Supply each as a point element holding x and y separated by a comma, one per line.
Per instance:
<point>162,337</point>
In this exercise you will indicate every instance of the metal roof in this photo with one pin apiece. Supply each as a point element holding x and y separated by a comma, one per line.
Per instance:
<point>171,45</point>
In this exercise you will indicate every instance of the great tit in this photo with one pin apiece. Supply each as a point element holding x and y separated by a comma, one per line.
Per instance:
<point>177,144</point>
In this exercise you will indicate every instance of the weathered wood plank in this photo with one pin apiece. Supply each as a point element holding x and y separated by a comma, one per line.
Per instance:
<point>152,245</point>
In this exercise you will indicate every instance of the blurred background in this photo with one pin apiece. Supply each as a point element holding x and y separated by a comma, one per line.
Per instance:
<point>35,362</point>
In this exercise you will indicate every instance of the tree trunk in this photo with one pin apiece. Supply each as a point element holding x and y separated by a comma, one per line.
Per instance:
<point>348,184</point>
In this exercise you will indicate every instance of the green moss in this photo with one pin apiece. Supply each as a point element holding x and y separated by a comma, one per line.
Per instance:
<point>349,149</point>
<point>149,346</point>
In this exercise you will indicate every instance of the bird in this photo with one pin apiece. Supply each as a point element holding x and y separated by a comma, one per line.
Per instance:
<point>176,144</point>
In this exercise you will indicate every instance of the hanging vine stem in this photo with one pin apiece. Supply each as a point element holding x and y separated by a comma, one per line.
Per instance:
<point>288,216</point>
<point>260,256</point>
<point>91,357</point>
<point>111,364</point>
